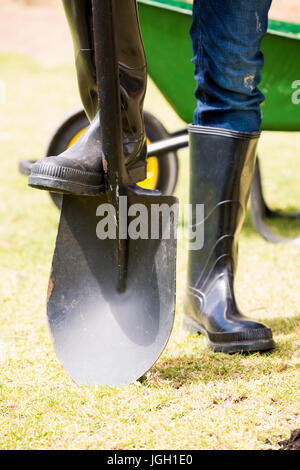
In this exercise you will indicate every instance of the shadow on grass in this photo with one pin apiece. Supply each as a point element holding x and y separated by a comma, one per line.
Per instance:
<point>181,371</point>
<point>207,366</point>
<point>283,227</point>
<point>284,325</point>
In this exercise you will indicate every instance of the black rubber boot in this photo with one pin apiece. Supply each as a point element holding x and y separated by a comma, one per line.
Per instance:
<point>222,166</point>
<point>79,169</point>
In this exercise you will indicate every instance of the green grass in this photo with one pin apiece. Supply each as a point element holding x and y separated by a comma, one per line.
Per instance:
<point>192,398</point>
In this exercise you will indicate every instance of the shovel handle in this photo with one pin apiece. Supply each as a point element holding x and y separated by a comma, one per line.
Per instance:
<point>104,12</point>
<point>107,70</point>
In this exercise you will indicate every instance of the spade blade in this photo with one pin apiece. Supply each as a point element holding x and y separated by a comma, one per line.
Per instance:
<point>103,336</point>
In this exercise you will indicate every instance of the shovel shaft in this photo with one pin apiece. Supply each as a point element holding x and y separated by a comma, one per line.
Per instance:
<point>109,91</point>
<point>104,12</point>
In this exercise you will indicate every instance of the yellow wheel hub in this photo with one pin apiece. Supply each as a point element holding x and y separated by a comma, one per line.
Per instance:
<point>152,166</point>
<point>76,137</point>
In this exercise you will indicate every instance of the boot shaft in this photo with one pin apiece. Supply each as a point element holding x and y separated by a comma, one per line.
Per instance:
<point>79,16</point>
<point>130,51</point>
<point>222,166</point>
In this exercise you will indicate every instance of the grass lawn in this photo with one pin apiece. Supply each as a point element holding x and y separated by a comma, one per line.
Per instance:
<point>192,398</point>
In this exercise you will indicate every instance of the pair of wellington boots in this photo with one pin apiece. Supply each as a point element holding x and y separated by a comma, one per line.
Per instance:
<point>222,165</point>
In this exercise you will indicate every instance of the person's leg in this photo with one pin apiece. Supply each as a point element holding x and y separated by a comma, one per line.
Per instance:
<point>226,40</point>
<point>79,170</point>
<point>226,37</point>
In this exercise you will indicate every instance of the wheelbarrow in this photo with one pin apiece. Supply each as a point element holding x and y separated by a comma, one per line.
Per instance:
<point>167,23</point>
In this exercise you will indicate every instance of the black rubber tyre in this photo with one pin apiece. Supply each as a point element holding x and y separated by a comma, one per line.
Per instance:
<point>77,121</point>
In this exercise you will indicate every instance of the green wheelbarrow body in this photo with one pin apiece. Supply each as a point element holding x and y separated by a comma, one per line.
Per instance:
<point>165,27</point>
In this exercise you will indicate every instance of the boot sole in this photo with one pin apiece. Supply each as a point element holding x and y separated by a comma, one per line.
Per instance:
<point>64,186</point>
<point>231,347</point>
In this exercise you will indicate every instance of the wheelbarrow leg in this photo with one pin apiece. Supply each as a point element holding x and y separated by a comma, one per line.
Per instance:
<point>261,212</point>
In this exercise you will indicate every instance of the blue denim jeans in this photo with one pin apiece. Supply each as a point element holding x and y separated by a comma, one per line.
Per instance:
<point>226,37</point>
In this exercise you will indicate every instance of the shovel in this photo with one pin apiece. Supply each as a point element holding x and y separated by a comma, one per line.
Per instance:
<point>111,299</point>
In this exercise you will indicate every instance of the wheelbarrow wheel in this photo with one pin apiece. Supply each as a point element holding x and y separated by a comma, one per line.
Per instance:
<point>162,171</point>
